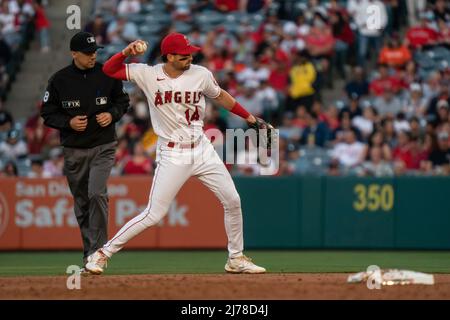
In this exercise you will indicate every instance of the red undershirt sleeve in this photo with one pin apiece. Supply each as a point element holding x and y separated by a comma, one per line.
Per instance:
<point>115,67</point>
<point>240,111</point>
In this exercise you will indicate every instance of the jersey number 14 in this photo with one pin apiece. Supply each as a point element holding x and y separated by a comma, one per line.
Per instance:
<point>194,117</point>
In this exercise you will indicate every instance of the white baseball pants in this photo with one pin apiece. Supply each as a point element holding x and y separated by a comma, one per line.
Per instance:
<point>174,167</point>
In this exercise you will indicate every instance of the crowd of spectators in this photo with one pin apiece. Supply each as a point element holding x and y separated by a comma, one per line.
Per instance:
<point>17,25</point>
<point>16,31</point>
<point>277,58</point>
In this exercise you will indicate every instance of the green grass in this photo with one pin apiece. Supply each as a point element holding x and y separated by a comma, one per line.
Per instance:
<point>160,262</point>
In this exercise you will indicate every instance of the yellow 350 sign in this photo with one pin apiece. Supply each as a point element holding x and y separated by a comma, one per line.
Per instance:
<point>373,197</point>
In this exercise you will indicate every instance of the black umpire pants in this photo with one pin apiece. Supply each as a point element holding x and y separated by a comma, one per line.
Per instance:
<point>87,171</point>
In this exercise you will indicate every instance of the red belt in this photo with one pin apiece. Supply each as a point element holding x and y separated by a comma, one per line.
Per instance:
<point>192,145</point>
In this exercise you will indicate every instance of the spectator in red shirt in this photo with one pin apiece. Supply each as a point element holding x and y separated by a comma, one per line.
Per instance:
<point>320,40</point>
<point>40,138</point>
<point>42,25</point>
<point>408,155</point>
<point>133,134</point>
<point>320,44</point>
<point>122,152</point>
<point>139,162</point>
<point>221,61</point>
<point>227,5</point>
<point>344,39</point>
<point>401,154</point>
<point>279,77</point>
<point>422,35</point>
<point>384,80</point>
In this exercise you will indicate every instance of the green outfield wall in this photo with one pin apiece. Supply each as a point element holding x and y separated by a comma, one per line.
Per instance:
<point>346,212</point>
<point>279,213</point>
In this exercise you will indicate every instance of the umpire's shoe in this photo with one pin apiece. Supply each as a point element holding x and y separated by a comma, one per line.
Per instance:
<point>96,262</point>
<point>242,264</point>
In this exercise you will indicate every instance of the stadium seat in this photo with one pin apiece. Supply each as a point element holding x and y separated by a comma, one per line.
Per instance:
<point>136,18</point>
<point>312,161</point>
<point>153,7</point>
<point>149,29</point>
<point>23,166</point>
<point>161,18</point>
<point>209,17</point>
<point>182,27</point>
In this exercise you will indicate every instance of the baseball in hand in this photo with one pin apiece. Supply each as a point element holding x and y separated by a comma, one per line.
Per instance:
<point>141,47</point>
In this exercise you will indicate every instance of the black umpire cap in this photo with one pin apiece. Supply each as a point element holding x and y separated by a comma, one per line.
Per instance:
<point>84,42</point>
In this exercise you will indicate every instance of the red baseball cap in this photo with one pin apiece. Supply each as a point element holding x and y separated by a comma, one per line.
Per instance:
<point>177,43</point>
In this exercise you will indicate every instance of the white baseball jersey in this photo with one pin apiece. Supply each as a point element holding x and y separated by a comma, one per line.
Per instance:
<point>177,105</point>
<point>177,109</point>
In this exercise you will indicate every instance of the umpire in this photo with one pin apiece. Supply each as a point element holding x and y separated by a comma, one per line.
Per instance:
<point>84,104</point>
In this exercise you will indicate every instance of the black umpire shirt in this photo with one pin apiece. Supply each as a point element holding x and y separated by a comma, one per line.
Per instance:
<point>72,92</point>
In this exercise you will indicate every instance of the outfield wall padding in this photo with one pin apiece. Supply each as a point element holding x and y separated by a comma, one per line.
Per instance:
<point>279,213</point>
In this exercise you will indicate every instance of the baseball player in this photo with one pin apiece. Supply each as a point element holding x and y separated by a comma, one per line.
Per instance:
<point>176,91</point>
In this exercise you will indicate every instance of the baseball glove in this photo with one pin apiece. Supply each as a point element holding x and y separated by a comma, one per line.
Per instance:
<point>264,133</point>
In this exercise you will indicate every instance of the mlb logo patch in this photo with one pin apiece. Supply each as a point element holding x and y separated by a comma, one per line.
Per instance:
<point>101,101</point>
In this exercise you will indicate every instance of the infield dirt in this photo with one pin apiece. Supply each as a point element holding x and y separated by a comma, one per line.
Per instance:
<point>294,286</point>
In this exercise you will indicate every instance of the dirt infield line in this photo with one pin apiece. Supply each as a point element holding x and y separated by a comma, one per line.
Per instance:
<point>296,286</point>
